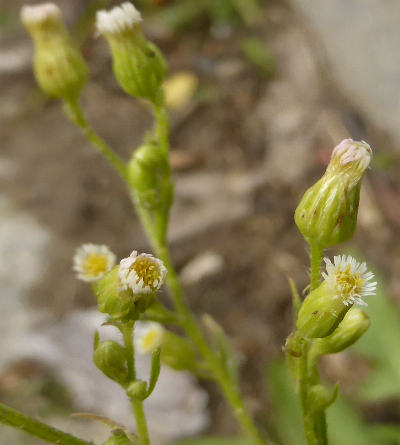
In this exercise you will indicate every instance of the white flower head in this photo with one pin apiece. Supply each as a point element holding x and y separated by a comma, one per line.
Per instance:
<point>143,273</point>
<point>37,14</point>
<point>118,19</point>
<point>148,336</point>
<point>93,261</point>
<point>349,279</point>
<point>349,151</point>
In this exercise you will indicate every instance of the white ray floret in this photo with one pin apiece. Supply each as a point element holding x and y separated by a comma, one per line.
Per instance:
<point>92,261</point>
<point>148,336</point>
<point>142,273</point>
<point>349,279</point>
<point>34,15</point>
<point>349,151</point>
<point>118,19</point>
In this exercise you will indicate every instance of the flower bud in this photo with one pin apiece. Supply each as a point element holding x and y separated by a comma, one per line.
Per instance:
<point>149,177</point>
<point>327,213</point>
<point>319,398</point>
<point>352,327</point>
<point>138,65</point>
<point>178,352</point>
<point>345,283</point>
<point>110,358</point>
<point>59,67</point>
<point>112,300</point>
<point>137,390</point>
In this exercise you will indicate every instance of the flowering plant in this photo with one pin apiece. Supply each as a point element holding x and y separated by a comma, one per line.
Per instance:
<point>327,321</point>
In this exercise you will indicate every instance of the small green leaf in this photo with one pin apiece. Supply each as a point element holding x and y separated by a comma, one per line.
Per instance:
<point>155,372</point>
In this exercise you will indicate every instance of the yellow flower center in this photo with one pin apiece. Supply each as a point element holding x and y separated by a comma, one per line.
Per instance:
<point>147,270</point>
<point>95,265</point>
<point>350,283</point>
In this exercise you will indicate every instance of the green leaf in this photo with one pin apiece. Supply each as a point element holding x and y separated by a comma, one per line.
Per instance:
<point>380,344</point>
<point>223,347</point>
<point>155,372</point>
<point>210,440</point>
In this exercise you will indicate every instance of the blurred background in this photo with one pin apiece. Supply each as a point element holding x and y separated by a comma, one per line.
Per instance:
<point>259,92</point>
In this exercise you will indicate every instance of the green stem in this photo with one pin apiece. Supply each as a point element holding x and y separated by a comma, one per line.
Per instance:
<point>15,419</point>
<point>137,404</point>
<point>138,411</point>
<point>74,112</point>
<point>162,125</point>
<point>316,258</point>
<point>314,422</point>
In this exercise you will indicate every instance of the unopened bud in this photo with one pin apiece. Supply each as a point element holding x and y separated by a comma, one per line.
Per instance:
<point>177,352</point>
<point>137,390</point>
<point>327,213</point>
<point>112,299</point>
<point>319,398</point>
<point>352,327</point>
<point>110,358</point>
<point>59,67</point>
<point>138,65</point>
<point>149,177</point>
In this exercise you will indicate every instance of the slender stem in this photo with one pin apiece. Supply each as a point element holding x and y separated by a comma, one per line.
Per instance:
<point>138,411</point>
<point>127,334</point>
<point>15,419</point>
<point>316,258</point>
<point>314,422</point>
<point>74,112</point>
<point>137,404</point>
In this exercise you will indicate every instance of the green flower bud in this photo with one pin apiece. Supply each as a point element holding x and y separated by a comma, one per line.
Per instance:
<point>177,352</point>
<point>138,65</point>
<point>137,390</point>
<point>352,327</point>
<point>112,299</point>
<point>110,358</point>
<point>118,438</point>
<point>319,398</point>
<point>327,213</point>
<point>149,177</point>
<point>320,313</point>
<point>345,283</point>
<point>59,67</point>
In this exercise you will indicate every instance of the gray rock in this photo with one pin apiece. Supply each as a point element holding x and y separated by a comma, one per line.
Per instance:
<point>361,40</point>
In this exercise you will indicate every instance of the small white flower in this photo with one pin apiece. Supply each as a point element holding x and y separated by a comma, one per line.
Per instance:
<point>349,151</point>
<point>349,279</point>
<point>92,261</point>
<point>148,336</point>
<point>142,273</point>
<point>118,19</point>
<point>34,15</point>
